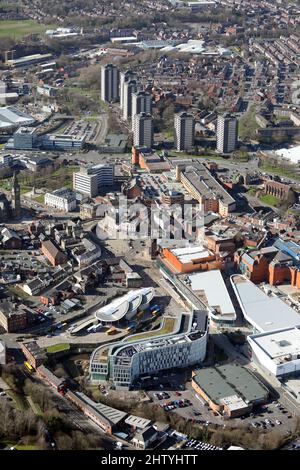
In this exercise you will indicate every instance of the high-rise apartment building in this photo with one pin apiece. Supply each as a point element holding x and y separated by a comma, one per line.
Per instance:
<point>125,77</point>
<point>143,130</point>
<point>184,131</point>
<point>128,89</point>
<point>109,83</point>
<point>141,103</point>
<point>227,133</point>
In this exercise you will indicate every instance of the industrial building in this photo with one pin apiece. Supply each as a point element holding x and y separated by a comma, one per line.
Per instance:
<point>27,61</point>
<point>124,362</point>
<point>230,390</point>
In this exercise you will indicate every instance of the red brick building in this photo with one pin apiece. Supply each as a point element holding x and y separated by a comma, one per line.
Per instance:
<point>52,253</point>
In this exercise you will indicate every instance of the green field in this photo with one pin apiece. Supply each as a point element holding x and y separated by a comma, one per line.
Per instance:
<point>58,347</point>
<point>269,199</point>
<point>40,198</point>
<point>17,29</point>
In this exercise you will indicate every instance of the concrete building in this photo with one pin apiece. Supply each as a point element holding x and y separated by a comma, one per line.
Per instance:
<point>124,362</point>
<point>62,142</point>
<point>85,183</point>
<point>230,390</point>
<point>211,284</point>
<point>126,76</point>
<point>227,133</point>
<point>128,89</point>
<point>110,83</point>
<point>207,190</point>
<point>91,179</point>
<point>143,130</point>
<point>61,199</point>
<point>145,438</point>
<point>141,103</point>
<point>184,131</point>
<point>277,351</point>
<point>265,313</point>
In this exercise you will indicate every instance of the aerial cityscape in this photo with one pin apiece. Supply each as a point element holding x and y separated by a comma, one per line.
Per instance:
<point>149,226</point>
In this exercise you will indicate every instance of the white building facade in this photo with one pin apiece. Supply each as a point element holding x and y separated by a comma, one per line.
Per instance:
<point>61,199</point>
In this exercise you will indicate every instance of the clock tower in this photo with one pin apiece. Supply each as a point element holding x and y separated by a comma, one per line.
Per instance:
<point>16,197</point>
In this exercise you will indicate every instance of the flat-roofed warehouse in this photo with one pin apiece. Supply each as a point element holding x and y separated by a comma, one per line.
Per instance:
<point>230,389</point>
<point>212,284</point>
<point>11,118</point>
<point>263,312</point>
<point>277,351</point>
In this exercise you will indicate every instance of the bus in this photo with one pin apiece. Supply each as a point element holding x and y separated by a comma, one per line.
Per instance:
<point>154,312</point>
<point>28,366</point>
<point>111,331</point>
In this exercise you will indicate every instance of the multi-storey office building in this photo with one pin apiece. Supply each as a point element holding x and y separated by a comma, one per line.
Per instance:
<point>90,180</point>
<point>109,83</point>
<point>85,183</point>
<point>125,361</point>
<point>143,130</point>
<point>184,131</point>
<point>25,138</point>
<point>227,133</point>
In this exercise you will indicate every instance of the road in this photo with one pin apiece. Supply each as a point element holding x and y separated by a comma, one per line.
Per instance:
<point>102,129</point>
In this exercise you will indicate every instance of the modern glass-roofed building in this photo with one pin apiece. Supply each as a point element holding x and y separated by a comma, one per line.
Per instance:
<point>178,343</point>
